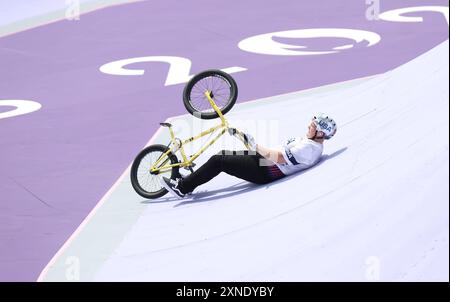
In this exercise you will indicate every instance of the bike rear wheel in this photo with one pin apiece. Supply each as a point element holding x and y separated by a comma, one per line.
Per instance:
<point>223,90</point>
<point>145,183</point>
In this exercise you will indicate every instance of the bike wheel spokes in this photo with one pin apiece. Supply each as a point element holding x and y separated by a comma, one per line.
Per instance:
<point>150,182</point>
<point>222,89</point>
<point>145,183</point>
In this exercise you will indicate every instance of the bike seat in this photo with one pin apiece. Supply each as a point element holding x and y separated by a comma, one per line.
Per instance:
<point>166,124</point>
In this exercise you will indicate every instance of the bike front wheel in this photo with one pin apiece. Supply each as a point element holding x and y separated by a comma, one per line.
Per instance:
<point>147,184</point>
<point>223,90</point>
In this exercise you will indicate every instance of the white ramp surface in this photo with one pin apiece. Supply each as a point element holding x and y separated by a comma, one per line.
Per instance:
<point>375,208</point>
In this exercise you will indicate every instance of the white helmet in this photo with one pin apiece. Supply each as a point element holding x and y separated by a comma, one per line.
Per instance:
<point>325,124</point>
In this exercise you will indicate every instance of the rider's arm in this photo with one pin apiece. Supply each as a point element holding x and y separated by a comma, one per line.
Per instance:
<point>271,154</point>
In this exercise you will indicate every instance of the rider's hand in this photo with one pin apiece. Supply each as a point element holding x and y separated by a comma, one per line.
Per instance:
<point>246,138</point>
<point>232,131</point>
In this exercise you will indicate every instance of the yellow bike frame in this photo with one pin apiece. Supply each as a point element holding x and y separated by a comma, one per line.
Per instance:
<point>188,162</point>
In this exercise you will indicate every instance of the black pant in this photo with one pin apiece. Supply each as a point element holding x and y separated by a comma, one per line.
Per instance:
<point>237,163</point>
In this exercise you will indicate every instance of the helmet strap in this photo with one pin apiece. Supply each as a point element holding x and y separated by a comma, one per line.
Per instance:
<point>314,137</point>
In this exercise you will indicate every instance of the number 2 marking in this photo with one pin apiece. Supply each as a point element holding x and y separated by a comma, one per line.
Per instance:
<point>179,68</point>
<point>22,107</point>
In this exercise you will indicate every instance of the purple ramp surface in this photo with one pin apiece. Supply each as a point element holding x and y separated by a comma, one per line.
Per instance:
<point>57,163</point>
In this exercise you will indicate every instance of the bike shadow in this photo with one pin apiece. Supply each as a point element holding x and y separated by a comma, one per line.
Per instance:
<point>245,186</point>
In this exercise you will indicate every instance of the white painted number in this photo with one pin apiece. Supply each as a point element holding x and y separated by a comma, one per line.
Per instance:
<point>396,15</point>
<point>179,68</point>
<point>22,107</point>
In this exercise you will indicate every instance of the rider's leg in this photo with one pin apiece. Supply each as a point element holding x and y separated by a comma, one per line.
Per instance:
<point>237,163</point>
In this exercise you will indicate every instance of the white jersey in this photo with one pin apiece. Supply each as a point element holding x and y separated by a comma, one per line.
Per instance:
<point>299,153</point>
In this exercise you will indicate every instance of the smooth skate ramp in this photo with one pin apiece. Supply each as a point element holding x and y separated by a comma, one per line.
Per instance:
<point>375,208</point>
<point>85,126</point>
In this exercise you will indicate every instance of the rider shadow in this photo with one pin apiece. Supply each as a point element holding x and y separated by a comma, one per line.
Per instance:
<point>159,200</point>
<point>245,186</point>
<point>235,189</point>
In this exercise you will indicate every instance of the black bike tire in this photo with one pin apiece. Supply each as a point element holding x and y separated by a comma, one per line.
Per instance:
<point>134,168</point>
<point>207,73</point>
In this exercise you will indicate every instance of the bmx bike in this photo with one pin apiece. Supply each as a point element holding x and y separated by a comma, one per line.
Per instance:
<point>208,95</point>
